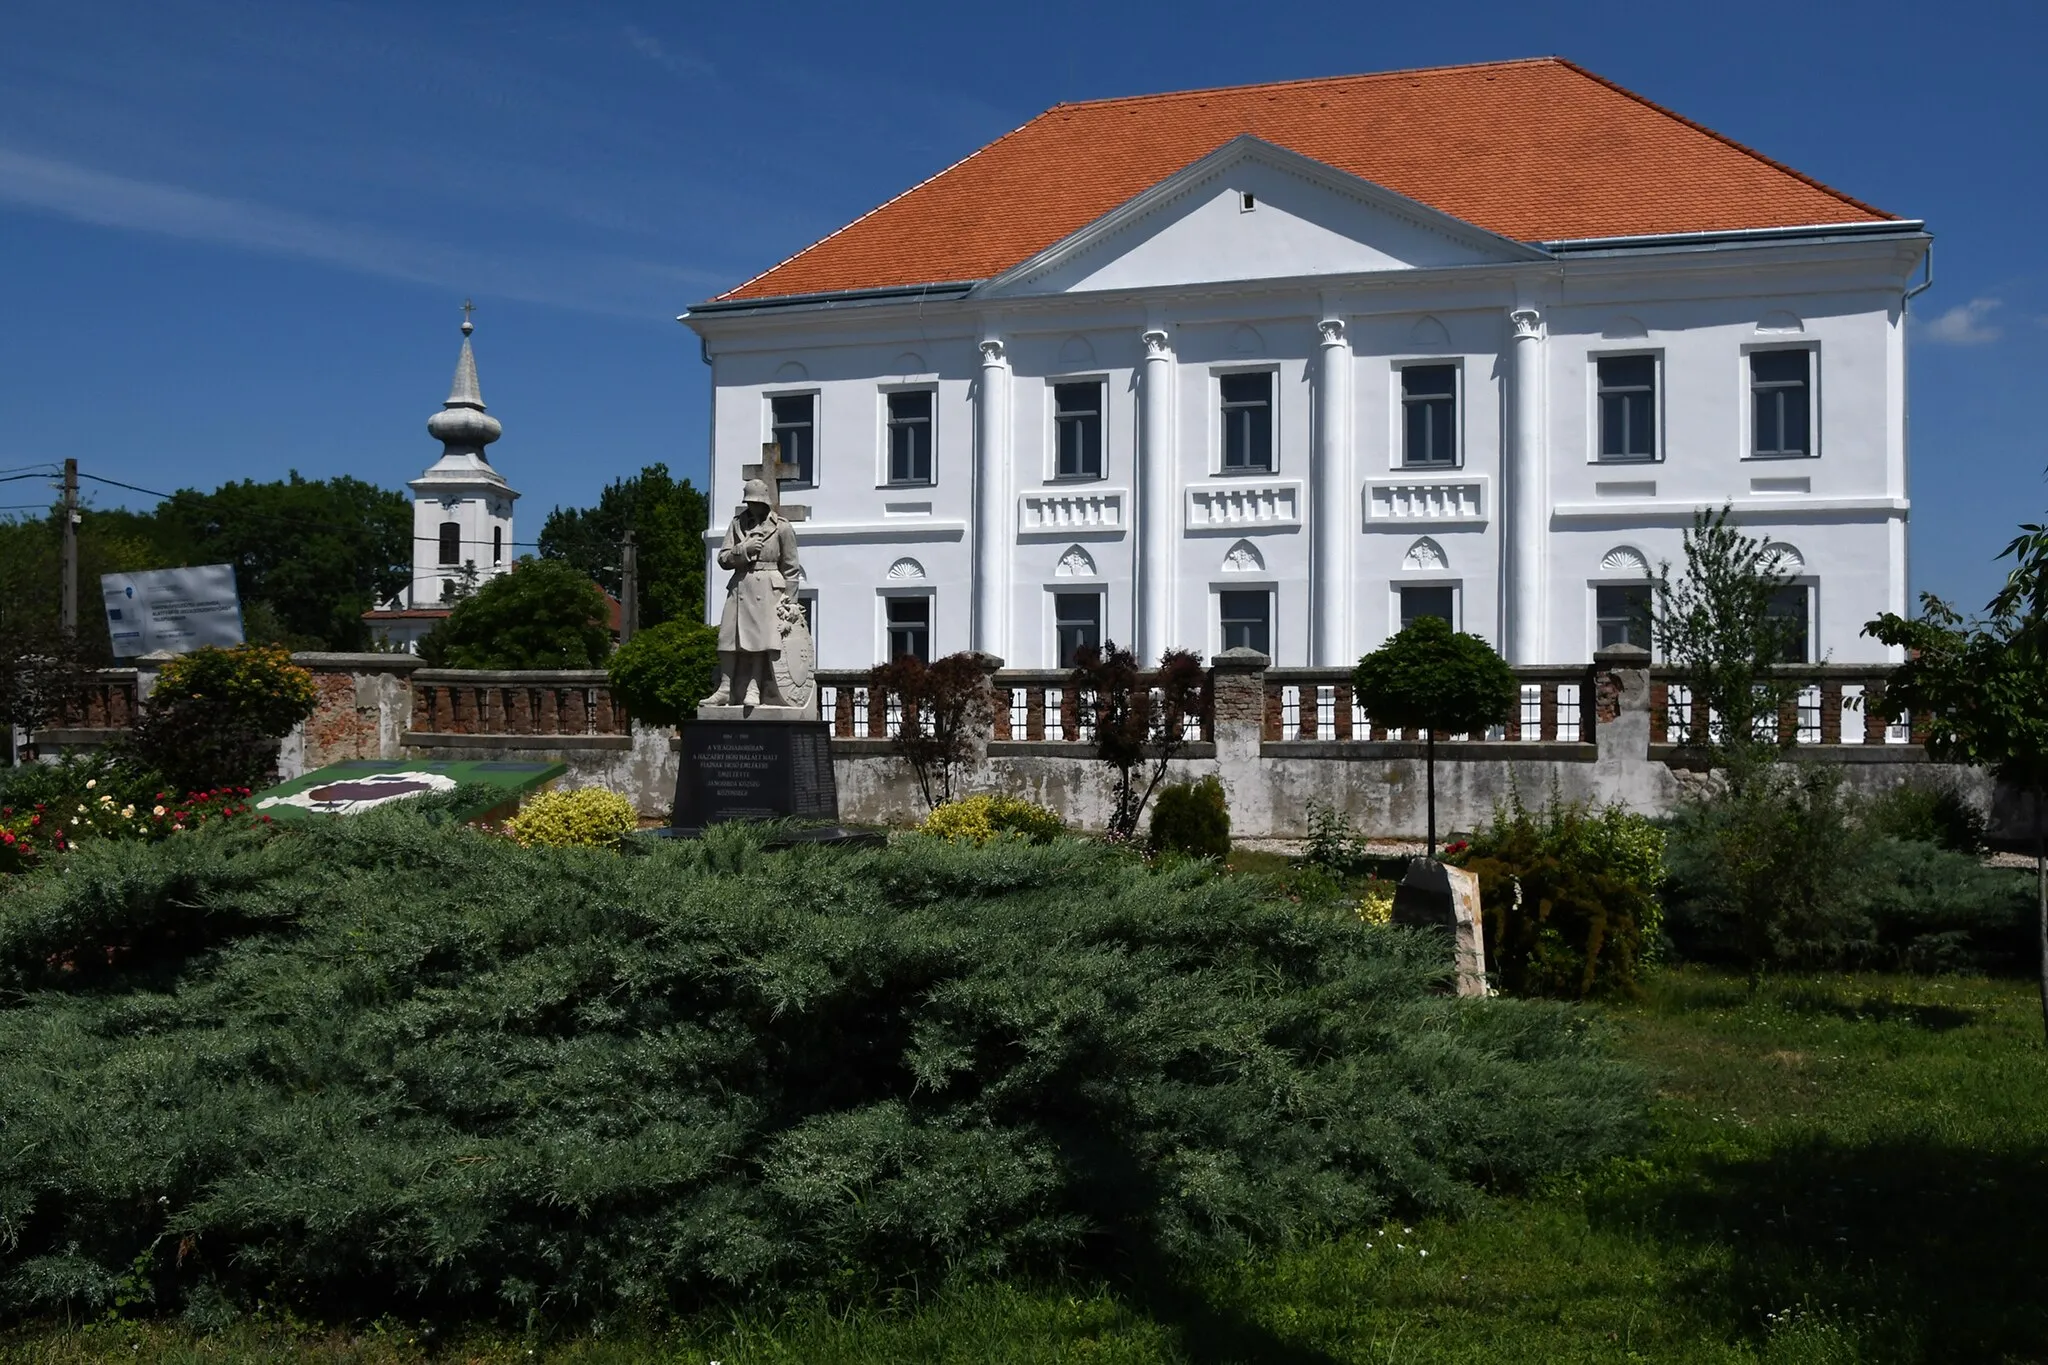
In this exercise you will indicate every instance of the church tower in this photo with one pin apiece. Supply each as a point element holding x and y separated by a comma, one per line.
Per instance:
<point>461,507</point>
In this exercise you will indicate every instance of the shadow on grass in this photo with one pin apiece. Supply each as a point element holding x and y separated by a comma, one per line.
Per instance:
<point>1210,1334</point>
<point>1879,1009</point>
<point>1919,1250</point>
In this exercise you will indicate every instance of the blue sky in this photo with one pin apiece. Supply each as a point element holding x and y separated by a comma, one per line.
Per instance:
<point>234,236</point>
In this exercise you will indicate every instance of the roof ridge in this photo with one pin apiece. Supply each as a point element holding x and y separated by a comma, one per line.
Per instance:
<point>1724,139</point>
<point>1310,80</point>
<point>848,227</point>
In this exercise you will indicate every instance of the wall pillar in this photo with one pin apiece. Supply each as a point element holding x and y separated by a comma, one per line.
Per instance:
<point>1329,518</point>
<point>989,630</point>
<point>1155,501</point>
<point>1524,511</point>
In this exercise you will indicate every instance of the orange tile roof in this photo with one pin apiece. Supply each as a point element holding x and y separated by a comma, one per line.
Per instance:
<point>1536,150</point>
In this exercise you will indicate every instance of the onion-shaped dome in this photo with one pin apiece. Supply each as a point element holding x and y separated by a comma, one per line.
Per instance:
<point>462,423</point>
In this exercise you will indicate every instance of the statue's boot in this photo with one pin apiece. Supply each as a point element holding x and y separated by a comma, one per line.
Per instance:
<point>722,696</point>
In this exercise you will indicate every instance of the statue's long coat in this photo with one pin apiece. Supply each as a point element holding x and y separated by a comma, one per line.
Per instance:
<point>756,586</point>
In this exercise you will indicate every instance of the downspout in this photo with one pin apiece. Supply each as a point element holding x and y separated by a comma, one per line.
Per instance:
<point>1928,263</point>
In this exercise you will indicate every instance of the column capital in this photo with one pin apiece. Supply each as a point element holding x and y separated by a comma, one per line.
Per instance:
<point>1332,330</point>
<point>1528,323</point>
<point>1155,342</point>
<point>992,352</point>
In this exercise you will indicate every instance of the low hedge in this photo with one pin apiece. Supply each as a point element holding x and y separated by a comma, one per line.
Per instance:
<point>377,1065</point>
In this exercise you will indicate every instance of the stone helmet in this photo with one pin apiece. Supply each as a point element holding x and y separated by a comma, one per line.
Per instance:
<point>757,491</point>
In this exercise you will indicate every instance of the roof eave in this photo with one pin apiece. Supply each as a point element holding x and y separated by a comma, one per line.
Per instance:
<point>833,298</point>
<point>1904,228</point>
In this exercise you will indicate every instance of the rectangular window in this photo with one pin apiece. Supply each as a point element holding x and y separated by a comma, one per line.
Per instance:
<point>1628,407</point>
<point>910,437</point>
<point>1077,410</point>
<point>1792,605</point>
<point>1077,618</point>
<point>1247,620</point>
<point>1429,411</point>
<point>497,545</point>
<point>794,430</point>
<point>1248,422</point>
<point>910,627</point>
<point>451,542</point>
<point>1623,614</point>
<point>1781,395</point>
<point>1440,602</point>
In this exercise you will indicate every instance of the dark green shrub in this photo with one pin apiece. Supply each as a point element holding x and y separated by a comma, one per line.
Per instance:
<point>543,614</point>
<point>1928,813</point>
<point>374,1066</point>
<point>1569,897</point>
<point>1191,818</point>
<point>1931,909</point>
<point>215,717</point>
<point>664,671</point>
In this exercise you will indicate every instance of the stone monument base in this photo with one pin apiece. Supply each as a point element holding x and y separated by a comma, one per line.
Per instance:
<point>705,712</point>
<point>1435,895</point>
<point>754,769</point>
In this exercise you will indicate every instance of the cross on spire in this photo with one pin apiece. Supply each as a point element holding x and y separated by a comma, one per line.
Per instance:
<point>467,309</point>
<point>772,471</point>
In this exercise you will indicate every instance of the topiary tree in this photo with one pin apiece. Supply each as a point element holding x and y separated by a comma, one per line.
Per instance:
<point>544,614</point>
<point>664,671</point>
<point>1431,678</point>
<point>941,705</point>
<point>1136,715</point>
<point>1192,818</point>
<point>215,716</point>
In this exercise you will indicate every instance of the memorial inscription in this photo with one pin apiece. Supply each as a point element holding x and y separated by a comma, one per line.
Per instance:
<point>755,770</point>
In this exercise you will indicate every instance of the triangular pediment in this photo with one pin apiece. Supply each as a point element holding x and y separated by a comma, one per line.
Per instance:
<point>1304,218</point>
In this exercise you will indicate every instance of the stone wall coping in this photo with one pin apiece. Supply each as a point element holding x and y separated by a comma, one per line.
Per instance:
<point>1071,750</point>
<point>1450,751</point>
<point>357,663</point>
<point>513,677</point>
<point>1241,660</point>
<point>1694,759</point>
<point>427,739</point>
<point>1809,672</point>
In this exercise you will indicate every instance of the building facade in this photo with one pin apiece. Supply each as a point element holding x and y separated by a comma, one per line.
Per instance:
<point>1287,366</point>
<point>461,513</point>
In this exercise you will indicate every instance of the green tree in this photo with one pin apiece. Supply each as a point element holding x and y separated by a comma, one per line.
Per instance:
<point>544,614</point>
<point>664,671</point>
<point>215,716</point>
<point>1137,716</point>
<point>318,553</point>
<point>668,517</point>
<point>1716,623</point>
<point>1982,687</point>
<point>30,571</point>
<point>1432,678</point>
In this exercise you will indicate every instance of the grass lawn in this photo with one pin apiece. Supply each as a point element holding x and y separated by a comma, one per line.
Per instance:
<point>1850,1168</point>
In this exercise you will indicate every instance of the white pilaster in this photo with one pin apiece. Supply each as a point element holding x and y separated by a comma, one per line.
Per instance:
<point>1329,519</point>
<point>1523,478</point>
<point>1156,498</point>
<point>991,557</point>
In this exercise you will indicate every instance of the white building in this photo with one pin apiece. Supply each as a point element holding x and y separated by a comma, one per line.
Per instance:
<point>1282,365</point>
<point>461,513</point>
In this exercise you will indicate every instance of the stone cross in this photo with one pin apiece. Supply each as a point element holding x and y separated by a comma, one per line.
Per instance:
<point>772,471</point>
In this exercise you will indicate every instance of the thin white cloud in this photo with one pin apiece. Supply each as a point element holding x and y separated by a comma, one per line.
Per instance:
<point>614,286</point>
<point>681,63</point>
<point>1966,324</point>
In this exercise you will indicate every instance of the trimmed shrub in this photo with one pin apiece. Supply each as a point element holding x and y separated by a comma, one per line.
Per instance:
<point>1569,896</point>
<point>377,1066</point>
<point>1193,819</point>
<point>1927,813</point>
<point>588,817</point>
<point>216,715</point>
<point>978,819</point>
<point>664,671</point>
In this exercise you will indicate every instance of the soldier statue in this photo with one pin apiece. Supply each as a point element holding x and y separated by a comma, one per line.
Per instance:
<point>762,613</point>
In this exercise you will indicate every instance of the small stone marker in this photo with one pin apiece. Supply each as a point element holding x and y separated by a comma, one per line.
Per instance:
<point>1436,895</point>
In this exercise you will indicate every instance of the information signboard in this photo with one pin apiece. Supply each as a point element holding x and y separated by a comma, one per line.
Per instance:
<point>173,610</point>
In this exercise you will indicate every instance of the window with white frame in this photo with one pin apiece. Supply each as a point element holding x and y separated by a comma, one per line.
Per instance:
<point>1429,415</point>
<point>1077,422</point>
<point>1781,402</point>
<point>451,542</point>
<point>792,425</point>
<point>908,622</point>
<point>1246,619</point>
<point>1077,625</point>
<point>1626,395</point>
<point>1791,610</point>
<point>1247,411</point>
<point>910,436</point>
<point>1621,615</point>
<point>1438,600</point>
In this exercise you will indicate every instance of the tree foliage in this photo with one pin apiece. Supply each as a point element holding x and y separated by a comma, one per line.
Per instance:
<point>544,614</point>
<point>375,1067</point>
<point>215,716</point>
<point>940,705</point>
<point>668,517</point>
<point>1137,716</point>
<point>1715,624</point>
<point>664,671</point>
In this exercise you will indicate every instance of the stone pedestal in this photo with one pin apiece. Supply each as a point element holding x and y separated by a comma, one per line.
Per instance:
<point>754,769</point>
<point>1434,895</point>
<point>729,713</point>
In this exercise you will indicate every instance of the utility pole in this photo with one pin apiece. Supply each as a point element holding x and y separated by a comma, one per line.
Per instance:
<point>629,588</point>
<point>68,608</point>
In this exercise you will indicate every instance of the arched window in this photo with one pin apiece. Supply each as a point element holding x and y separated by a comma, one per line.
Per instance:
<point>497,545</point>
<point>451,542</point>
